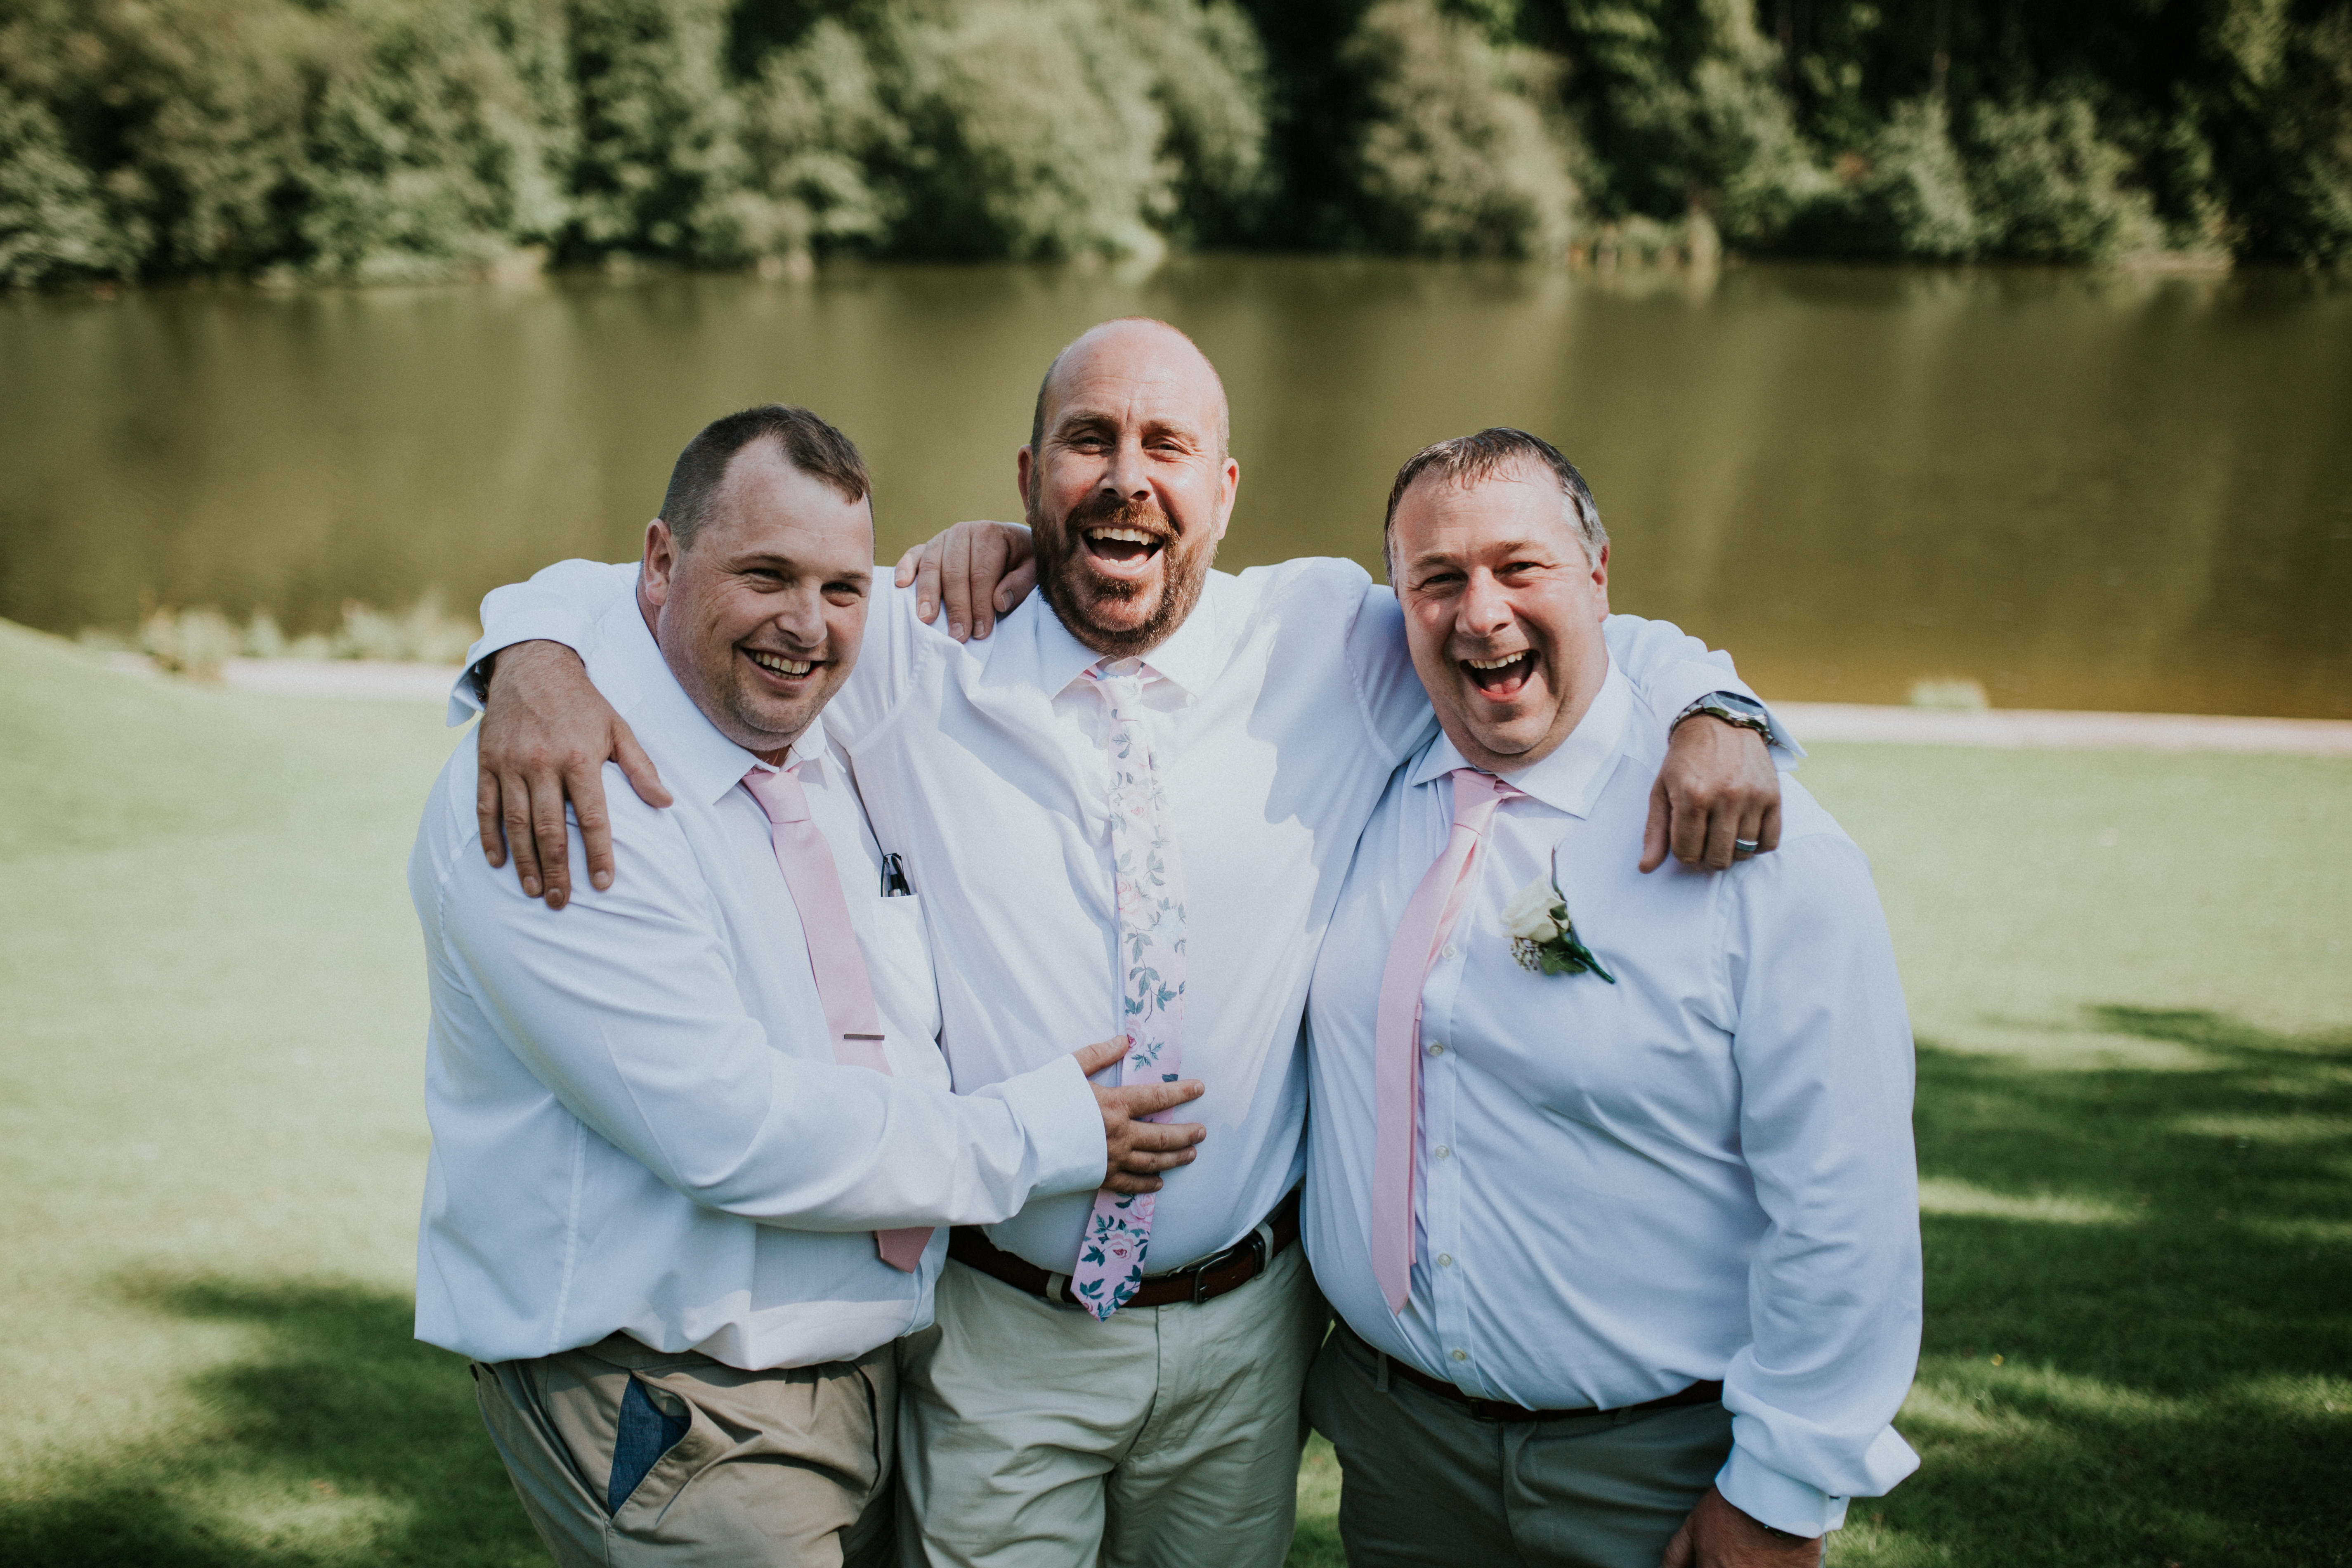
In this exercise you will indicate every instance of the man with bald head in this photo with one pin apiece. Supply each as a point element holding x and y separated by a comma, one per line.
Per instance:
<point>1132,805</point>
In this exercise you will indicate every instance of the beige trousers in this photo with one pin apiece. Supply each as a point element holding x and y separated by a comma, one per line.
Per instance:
<point>1031,1435</point>
<point>1425,1484</point>
<point>624,1455</point>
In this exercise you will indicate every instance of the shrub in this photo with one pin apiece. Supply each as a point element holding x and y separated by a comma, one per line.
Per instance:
<point>2051,188</point>
<point>53,222</point>
<point>1907,195</point>
<point>1454,156</point>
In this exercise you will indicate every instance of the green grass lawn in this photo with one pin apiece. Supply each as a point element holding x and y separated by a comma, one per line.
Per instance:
<point>2128,973</point>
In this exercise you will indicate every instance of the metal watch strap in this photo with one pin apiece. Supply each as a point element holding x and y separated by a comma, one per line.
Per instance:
<point>1733,710</point>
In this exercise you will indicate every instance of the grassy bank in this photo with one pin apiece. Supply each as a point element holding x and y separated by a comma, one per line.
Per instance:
<point>2128,974</point>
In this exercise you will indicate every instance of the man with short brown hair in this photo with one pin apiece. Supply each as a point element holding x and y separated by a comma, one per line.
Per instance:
<point>694,1147</point>
<point>1609,1176</point>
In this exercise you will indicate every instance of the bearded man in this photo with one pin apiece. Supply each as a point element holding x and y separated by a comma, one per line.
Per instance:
<point>1132,804</point>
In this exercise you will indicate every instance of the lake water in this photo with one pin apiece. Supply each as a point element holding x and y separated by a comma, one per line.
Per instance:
<point>2080,491</point>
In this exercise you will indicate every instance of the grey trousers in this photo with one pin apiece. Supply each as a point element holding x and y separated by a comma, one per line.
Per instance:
<point>626,1456</point>
<point>1424,1483</point>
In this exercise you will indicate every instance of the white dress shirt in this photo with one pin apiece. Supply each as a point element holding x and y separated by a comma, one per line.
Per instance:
<point>638,1123</point>
<point>1279,708</point>
<point>1702,1171</point>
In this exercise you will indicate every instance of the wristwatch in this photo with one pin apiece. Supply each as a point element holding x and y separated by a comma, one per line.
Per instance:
<point>1740,712</point>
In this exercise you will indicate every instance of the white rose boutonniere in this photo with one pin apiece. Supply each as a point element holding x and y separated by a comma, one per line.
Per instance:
<point>1543,937</point>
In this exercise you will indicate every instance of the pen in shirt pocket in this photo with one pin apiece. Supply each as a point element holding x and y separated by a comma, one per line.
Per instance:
<point>894,878</point>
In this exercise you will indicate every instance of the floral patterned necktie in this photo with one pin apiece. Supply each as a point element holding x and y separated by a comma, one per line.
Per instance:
<point>1150,882</point>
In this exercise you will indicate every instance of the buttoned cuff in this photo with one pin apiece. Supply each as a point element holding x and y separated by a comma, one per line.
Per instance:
<point>1784,1503</point>
<point>1057,1112</point>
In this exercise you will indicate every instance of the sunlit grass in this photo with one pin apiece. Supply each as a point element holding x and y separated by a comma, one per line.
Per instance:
<point>2136,1137</point>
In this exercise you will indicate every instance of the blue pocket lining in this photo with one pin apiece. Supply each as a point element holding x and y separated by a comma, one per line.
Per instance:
<point>646,1434</point>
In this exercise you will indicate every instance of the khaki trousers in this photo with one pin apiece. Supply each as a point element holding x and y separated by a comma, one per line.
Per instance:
<point>624,1455</point>
<point>1031,1435</point>
<point>1425,1484</point>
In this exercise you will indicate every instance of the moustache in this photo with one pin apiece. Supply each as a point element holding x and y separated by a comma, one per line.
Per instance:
<point>1102,510</point>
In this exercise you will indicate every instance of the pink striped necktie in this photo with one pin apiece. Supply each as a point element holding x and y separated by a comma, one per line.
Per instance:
<point>850,1016</point>
<point>1436,904</point>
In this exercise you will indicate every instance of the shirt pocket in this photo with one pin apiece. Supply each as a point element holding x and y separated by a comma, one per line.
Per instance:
<point>906,992</point>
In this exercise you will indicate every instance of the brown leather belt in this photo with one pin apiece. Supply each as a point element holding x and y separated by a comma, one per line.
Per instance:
<point>1496,1410</point>
<point>1212,1276</point>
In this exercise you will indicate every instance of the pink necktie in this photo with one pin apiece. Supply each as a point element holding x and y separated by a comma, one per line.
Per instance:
<point>841,987</point>
<point>1396,1049</point>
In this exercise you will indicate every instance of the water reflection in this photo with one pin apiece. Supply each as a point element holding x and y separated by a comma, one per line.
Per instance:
<point>2079,490</point>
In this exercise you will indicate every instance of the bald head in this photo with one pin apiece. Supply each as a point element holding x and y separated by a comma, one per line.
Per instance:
<point>1142,341</point>
<point>1126,483</point>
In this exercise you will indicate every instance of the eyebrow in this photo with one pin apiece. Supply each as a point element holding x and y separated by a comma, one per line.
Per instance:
<point>1075,420</point>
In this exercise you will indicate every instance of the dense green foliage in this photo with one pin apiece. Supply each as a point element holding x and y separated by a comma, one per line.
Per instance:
<point>387,138</point>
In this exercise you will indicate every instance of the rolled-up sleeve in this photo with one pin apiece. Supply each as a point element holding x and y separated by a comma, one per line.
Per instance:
<point>1824,1053</point>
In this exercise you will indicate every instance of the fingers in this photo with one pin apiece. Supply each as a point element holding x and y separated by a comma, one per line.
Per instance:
<point>643,776</point>
<point>552,838</point>
<point>1018,584</point>
<point>1687,828</point>
<point>514,818</point>
<point>1680,1552</point>
<point>1142,1100</point>
<point>904,576</point>
<point>585,785</point>
<point>955,581</point>
<point>1767,833</point>
<point>485,816</point>
<point>927,580</point>
<point>988,557</point>
<point>1722,828</point>
<point>1654,833</point>
<point>1102,1053</point>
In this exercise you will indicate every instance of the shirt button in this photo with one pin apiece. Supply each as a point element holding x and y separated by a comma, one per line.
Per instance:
<point>1449,949</point>
<point>1446,1260</point>
<point>1443,1153</point>
<point>1460,1356</point>
<point>1436,1047</point>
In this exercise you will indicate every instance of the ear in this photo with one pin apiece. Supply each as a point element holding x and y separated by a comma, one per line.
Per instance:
<point>1600,583</point>
<point>660,565</point>
<point>1228,488</point>
<point>1024,472</point>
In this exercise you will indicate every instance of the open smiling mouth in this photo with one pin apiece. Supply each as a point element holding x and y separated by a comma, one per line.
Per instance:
<point>777,665</point>
<point>1125,551</point>
<point>1501,678</point>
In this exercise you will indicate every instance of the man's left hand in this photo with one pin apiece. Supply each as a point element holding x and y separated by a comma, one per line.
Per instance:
<point>976,571</point>
<point>1719,787</point>
<point>1718,1535</point>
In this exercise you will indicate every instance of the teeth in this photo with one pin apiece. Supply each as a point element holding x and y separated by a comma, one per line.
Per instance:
<point>1494,663</point>
<point>1124,536</point>
<point>782,665</point>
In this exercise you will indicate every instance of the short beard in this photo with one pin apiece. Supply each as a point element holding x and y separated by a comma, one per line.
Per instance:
<point>1063,577</point>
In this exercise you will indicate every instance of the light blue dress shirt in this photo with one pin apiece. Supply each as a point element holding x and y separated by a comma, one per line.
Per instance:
<point>638,1122</point>
<point>1702,1171</point>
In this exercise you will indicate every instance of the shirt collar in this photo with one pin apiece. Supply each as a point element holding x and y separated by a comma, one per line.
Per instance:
<point>1040,651</point>
<point>1570,778</point>
<point>696,758</point>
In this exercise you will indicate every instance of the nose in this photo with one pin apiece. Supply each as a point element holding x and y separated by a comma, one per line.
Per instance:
<point>1486,609</point>
<point>1127,476</point>
<point>800,616</point>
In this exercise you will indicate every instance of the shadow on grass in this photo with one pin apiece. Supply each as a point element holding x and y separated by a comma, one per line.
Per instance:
<point>340,1439</point>
<point>2137,1350</point>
